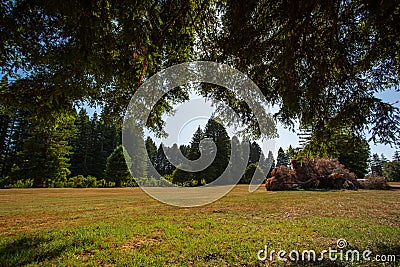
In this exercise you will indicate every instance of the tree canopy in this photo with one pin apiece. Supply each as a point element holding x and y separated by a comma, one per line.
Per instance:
<point>320,62</point>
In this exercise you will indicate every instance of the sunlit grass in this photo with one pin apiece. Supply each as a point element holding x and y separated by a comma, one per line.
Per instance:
<point>125,227</point>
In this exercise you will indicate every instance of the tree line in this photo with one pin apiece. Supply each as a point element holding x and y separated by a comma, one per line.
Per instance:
<point>86,151</point>
<point>64,155</point>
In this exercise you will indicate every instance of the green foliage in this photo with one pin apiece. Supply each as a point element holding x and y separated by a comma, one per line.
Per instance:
<point>321,62</point>
<point>217,133</point>
<point>376,165</point>
<point>255,153</point>
<point>391,171</point>
<point>27,183</point>
<point>350,149</point>
<point>162,164</point>
<point>94,141</point>
<point>116,168</point>
<point>135,158</point>
<point>152,154</point>
<point>249,172</point>
<point>13,131</point>
<point>184,178</point>
<point>268,164</point>
<point>282,159</point>
<point>59,53</point>
<point>396,156</point>
<point>45,154</point>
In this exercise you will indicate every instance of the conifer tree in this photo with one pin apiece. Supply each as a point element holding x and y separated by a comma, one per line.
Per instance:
<point>46,152</point>
<point>116,167</point>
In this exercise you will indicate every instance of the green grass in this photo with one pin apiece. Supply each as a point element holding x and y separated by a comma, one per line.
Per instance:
<point>125,227</point>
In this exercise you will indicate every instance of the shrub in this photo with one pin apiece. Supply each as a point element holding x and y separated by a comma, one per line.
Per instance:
<point>80,181</point>
<point>89,181</point>
<point>22,184</point>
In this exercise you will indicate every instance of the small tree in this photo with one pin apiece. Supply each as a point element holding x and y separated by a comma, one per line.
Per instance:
<point>116,168</point>
<point>282,159</point>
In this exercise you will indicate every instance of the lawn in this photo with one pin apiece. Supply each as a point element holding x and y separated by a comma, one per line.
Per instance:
<point>125,227</point>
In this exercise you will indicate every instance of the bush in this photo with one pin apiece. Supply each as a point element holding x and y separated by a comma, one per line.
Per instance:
<point>89,181</point>
<point>129,182</point>
<point>4,182</point>
<point>22,184</point>
<point>80,181</point>
<point>374,181</point>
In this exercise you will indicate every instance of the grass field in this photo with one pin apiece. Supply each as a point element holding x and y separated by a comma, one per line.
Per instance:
<point>125,227</point>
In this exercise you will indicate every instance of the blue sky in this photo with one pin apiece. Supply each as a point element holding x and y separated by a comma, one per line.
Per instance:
<point>187,118</point>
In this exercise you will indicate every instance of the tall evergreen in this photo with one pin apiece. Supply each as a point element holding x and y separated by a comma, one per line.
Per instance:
<point>269,163</point>
<point>162,164</point>
<point>45,154</point>
<point>185,150</point>
<point>237,161</point>
<point>95,140</point>
<point>152,154</point>
<point>376,165</point>
<point>136,151</point>
<point>194,150</point>
<point>255,153</point>
<point>81,148</point>
<point>282,159</point>
<point>219,136</point>
<point>391,171</point>
<point>350,149</point>
<point>13,132</point>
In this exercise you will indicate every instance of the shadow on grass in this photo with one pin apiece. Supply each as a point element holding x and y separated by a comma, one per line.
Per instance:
<point>30,250</point>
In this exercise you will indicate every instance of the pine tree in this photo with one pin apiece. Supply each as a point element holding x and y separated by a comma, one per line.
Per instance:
<point>152,154</point>
<point>304,136</point>
<point>396,156</point>
<point>376,165</point>
<point>237,162</point>
<point>269,163</point>
<point>255,153</point>
<point>80,144</point>
<point>350,149</point>
<point>136,151</point>
<point>45,155</point>
<point>116,168</point>
<point>282,159</point>
<point>14,130</point>
<point>95,140</point>
<point>185,150</point>
<point>219,136</point>
<point>162,164</point>
<point>194,150</point>
<point>249,173</point>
